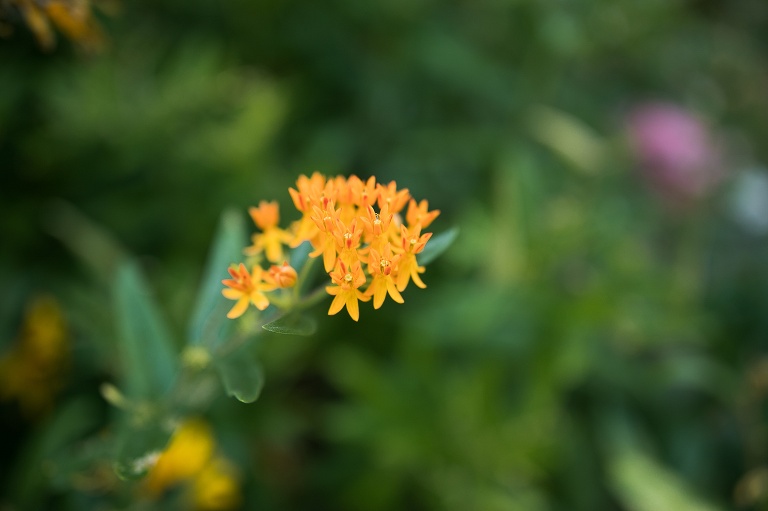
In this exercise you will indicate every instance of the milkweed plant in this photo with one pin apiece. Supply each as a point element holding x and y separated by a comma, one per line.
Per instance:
<point>353,241</point>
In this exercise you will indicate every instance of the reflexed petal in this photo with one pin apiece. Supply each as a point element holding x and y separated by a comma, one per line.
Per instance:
<point>415,276</point>
<point>378,289</point>
<point>259,300</point>
<point>329,255</point>
<point>352,308</point>
<point>239,308</point>
<point>232,294</point>
<point>336,305</point>
<point>393,292</point>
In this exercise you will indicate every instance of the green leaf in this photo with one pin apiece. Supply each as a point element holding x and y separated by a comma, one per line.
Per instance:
<point>304,265</point>
<point>292,324</point>
<point>147,352</point>
<point>241,375</point>
<point>300,255</point>
<point>437,245</point>
<point>209,323</point>
<point>86,239</point>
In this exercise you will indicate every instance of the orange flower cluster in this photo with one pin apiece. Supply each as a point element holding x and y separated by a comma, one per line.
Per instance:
<point>368,249</point>
<point>73,18</point>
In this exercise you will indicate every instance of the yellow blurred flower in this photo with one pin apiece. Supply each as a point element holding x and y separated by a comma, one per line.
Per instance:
<point>73,18</point>
<point>189,450</point>
<point>31,372</point>
<point>190,459</point>
<point>216,487</point>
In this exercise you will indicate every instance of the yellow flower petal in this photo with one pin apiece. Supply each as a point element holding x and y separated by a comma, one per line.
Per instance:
<point>352,306</point>
<point>337,304</point>
<point>239,308</point>
<point>232,294</point>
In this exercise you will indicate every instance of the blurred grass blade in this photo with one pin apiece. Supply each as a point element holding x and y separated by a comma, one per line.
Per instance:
<point>86,239</point>
<point>292,324</point>
<point>241,374</point>
<point>146,350</point>
<point>642,484</point>
<point>209,323</point>
<point>437,245</point>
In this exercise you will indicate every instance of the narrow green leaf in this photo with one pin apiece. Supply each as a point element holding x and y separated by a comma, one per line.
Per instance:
<point>147,352</point>
<point>209,323</point>
<point>241,374</point>
<point>87,240</point>
<point>437,245</point>
<point>292,324</point>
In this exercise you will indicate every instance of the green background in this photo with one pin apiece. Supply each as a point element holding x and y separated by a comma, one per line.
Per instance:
<point>585,343</point>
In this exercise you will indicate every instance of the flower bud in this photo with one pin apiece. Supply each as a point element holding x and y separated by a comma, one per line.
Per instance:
<point>283,276</point>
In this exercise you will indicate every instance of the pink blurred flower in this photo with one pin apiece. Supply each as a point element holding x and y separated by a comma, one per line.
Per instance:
<point>677,152</point>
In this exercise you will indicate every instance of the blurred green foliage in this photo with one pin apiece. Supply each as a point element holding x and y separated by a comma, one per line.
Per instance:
<point>584,344</point>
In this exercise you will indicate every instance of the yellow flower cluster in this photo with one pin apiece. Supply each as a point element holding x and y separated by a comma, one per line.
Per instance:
<point>32,370</point>
<point>190,458</point>
<point>367,233</point>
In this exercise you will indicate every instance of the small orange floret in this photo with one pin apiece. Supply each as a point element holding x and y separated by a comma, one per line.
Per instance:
<point>419,214</point>
<point>345,289</point>
<point>246,287</point>
<point>272,239</point>
<point>382,266</point>
<point>267,215</point>
<point>389,194</point>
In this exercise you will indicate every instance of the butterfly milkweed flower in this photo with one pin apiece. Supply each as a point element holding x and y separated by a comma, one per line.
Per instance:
<point>272,238</point>
<point>345,288</point>
<point>246,288</point>
<point>368,235</point>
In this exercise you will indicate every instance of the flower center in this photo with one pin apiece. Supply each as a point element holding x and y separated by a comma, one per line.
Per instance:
<point>348,278</point>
